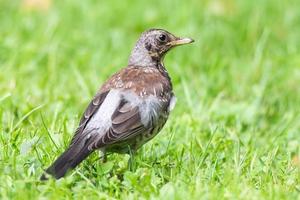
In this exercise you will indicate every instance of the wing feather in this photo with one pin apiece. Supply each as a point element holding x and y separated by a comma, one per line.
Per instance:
<point>126,124</point>
<point>89,112</point>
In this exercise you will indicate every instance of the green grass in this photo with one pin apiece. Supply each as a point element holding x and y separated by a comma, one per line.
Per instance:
<point>234,133</point>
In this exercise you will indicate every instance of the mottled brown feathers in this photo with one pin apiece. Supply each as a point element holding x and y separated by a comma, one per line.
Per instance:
<point>144,81</point>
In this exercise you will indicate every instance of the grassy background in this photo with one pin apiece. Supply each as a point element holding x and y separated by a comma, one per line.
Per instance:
<point>234,133</point>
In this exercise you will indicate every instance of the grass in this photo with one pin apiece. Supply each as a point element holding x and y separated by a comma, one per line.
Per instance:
<point>234,133</point>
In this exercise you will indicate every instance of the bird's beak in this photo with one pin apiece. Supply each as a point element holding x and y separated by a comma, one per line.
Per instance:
<point>181,41</point>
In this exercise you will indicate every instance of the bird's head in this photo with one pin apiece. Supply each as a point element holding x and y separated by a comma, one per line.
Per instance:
<point>152,46</point>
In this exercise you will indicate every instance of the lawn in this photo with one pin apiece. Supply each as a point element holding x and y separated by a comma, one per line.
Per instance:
<point>234,133</point>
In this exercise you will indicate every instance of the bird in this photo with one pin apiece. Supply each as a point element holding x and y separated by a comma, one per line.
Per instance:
<point>129,109</point>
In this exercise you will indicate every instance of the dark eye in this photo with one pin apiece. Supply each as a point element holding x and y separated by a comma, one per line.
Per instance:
<point>162,37</point>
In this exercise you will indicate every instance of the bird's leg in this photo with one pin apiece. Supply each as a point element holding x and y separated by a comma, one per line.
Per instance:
<point>102,155</point>
<point>131,161</point>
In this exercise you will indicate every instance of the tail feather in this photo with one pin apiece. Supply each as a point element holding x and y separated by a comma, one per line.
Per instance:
<point>67,161</point>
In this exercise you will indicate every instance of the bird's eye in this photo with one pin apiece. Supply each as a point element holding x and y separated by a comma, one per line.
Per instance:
<point>162,37</point>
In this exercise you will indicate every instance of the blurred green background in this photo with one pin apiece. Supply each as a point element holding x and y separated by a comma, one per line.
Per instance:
<point>234,133</point>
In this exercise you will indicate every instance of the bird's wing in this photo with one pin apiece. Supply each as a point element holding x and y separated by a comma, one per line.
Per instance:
<point>125,120</point>
<point>126,124</point>
<point>88,114</point>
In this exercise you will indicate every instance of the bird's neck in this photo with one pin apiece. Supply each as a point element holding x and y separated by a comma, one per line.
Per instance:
<point>146,60</point>
<point>142,58</point>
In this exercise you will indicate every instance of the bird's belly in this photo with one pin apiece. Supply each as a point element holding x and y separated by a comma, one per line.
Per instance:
<point>144,138</point>
<point>137,142</point>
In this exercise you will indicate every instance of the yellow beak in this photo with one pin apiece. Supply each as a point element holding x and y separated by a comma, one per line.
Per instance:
<point>181,41</point>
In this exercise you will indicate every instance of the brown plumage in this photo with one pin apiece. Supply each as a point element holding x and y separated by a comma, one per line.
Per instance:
<point>129,109</point>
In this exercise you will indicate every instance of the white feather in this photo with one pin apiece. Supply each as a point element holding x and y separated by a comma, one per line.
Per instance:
<point>172,103</point>
<point>101,121</point>
<point>148,107</point>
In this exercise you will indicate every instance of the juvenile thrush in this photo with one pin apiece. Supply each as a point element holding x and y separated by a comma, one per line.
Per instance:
<point>130,108</point>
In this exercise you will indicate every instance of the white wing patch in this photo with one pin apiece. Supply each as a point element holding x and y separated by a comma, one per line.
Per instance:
<point>149,109</point>
<point>172,103</point>
<point>101,121</point>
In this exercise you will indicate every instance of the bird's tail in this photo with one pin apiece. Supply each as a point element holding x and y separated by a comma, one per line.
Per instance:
<point>67,161</point>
